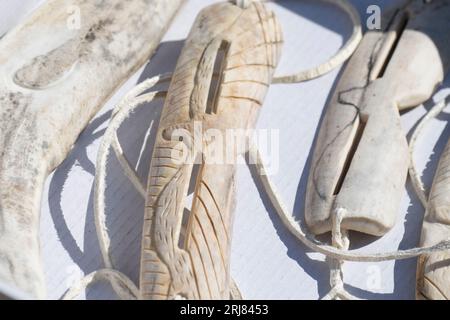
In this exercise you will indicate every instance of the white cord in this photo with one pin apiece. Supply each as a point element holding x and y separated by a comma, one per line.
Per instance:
<point>124,288</point>
<point>122,285</point>
<point>413,173</point>
<point>341,241</point>
<point>335,254</point>
<point>339,58</point>
<point>308,239</point>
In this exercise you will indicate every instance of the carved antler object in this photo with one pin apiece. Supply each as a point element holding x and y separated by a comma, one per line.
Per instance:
<point>53,79</point>
<point>433,271</point>
<point>361,158</point>
<point>220,82</point>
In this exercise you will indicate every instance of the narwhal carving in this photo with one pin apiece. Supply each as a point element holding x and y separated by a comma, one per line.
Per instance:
<point>220,82</point>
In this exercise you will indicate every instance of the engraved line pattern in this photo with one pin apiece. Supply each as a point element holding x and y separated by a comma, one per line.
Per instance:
<point>199,268</point>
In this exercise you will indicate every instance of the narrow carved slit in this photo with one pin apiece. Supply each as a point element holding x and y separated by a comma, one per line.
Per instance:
<point>350,155</point>
<point>189,201</point>
<point>399,29</point>
<point>217,77</point>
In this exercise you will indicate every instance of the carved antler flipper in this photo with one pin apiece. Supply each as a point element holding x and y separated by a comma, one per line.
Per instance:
<point>220,82</point>
<point>54,76</point>
<point>433,270</point>
<point>361,158</point>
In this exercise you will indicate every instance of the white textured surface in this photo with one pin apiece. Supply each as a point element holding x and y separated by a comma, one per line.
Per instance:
<point>267,263</point>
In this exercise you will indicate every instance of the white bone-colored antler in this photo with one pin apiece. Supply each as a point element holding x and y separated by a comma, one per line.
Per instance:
<point>190,258</point>
<point>361,157</point>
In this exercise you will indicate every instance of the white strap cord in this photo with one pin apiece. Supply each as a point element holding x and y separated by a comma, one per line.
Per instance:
<point>120,113</point>
<point>413,173</point>
<point>339,58</point>
<point>339,252</point>
<point>341,241</point>
<point>122,285</point>
<point>308,239</point>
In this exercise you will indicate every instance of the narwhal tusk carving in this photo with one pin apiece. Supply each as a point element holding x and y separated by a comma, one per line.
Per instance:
<point>220,81</point>
<point>54,76</point>
<point>361,158</point>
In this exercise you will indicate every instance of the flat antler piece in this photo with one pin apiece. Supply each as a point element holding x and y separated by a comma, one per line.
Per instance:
<point>56,71</point>
<point>361,157</point>
<point>220,82</point>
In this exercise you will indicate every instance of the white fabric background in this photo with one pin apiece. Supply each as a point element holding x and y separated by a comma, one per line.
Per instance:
<point>267,262</point>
